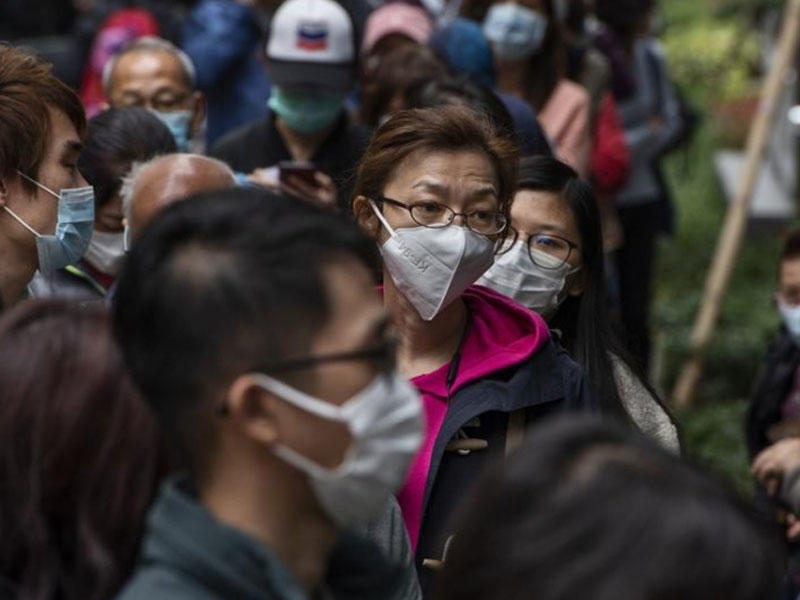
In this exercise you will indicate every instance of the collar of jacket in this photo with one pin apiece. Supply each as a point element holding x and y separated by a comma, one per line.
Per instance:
<point>550,376</point>
<point>183,537</point>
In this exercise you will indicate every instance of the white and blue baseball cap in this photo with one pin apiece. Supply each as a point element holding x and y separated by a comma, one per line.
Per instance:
<point>312,43</point>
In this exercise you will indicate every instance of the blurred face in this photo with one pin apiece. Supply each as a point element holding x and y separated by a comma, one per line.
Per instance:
<point>357,322</point>
<point>108,218</point>
<point>789,282</point>
<point>464,181</point>
<point>534,213</point>
<point>58,171</point>
<point>154,80</point>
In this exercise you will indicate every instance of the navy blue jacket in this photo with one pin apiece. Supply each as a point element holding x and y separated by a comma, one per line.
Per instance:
<point>548,383</point>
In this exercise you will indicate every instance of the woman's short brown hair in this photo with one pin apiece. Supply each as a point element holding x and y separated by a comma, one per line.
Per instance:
<point>444,128</point>
<point>27,89</point>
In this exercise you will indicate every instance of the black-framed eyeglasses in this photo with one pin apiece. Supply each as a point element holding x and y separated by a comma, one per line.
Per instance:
<point>542,247</point>
<point>383,355</point>
<point>436,215</point>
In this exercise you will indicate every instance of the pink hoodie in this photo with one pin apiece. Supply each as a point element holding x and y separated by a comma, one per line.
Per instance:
<point>502,333</point>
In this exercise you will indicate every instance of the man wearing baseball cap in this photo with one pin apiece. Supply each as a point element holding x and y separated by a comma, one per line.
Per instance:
<point>311,62</point>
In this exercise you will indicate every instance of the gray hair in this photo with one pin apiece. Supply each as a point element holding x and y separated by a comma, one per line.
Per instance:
<point>150,43</point>
<point>139,171</point>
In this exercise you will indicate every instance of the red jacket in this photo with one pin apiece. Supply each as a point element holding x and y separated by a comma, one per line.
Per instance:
<point>611,160</point>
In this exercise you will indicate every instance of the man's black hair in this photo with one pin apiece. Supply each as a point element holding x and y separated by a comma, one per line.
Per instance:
<point>115,140</point>
<point>218,285</point>
<point>791,246</point>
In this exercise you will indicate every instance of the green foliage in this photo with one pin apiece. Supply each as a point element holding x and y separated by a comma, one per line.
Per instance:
<point>712,435</point>
<point>698,46</point>
<point>713,58</point>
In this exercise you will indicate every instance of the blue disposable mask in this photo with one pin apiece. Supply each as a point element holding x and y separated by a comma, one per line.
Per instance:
<point>179,123</point>
<point>515,32</point>
<point>790,315</point>
<point>306,111</point>
<point>73,229</point>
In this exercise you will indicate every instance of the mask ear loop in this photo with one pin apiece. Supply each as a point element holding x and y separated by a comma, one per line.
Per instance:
<point>574,270</point>
<point>381,218</point>
<point>36,183</point>
<point>23,223</point>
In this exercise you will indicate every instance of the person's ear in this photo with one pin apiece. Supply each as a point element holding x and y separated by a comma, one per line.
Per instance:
<point>2,192</point>
<point>198,112</point>
<point>577,283</point>
<point>365,217</point>
<point>247,407</point>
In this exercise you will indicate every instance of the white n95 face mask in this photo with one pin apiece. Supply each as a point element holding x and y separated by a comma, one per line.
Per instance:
<point>514,274</point>
<point>433,267</point>
<point>385,423</point>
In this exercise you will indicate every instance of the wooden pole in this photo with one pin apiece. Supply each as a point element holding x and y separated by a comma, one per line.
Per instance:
<point>735,224</point>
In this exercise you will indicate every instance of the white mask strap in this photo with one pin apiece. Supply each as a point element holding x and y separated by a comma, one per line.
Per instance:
<point>23,223</point>
<point>299,399</point>
<point>36,183</point>
<point>381,218</point>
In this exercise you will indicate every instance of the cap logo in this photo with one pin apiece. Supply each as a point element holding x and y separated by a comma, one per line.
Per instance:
<point>312,35</point>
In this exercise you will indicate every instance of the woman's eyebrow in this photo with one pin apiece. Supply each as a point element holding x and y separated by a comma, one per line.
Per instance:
<point>432,186</point>
<point>438,188</point>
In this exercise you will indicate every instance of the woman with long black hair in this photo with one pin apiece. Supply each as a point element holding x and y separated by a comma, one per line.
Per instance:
<point>553,264</point>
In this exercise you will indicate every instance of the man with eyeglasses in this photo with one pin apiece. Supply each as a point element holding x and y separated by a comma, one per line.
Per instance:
<point>155,74</point>
<point>251,324</point>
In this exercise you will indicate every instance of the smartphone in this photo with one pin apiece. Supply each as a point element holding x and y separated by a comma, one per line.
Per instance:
<point>304,171</point>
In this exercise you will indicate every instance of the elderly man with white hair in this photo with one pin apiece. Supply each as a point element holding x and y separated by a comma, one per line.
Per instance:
<point>154,185</point>
<point>155,74</point>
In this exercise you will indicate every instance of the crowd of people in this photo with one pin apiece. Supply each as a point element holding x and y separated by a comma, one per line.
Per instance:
<point>330,299</point>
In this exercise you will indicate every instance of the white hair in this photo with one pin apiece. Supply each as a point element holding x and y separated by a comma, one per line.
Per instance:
<point>139,171</point>
<point>150,43</point>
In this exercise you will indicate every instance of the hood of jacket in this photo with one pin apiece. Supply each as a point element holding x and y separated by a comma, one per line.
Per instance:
<point>502,333</point>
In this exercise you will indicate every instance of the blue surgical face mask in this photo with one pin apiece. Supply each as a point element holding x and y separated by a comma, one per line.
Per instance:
<point>515,32</point>
<point>179,123</point>
<point>306,111</point>
<point>73,229</point>
<point>790,315</point>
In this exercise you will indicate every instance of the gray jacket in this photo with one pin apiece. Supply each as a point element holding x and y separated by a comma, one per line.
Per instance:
<point>654,101</point>
<point>188,555</point>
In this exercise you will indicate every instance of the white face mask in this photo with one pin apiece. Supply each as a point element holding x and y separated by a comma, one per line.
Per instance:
<point>517,276</point>
<point>515,32</point>
<point>433,267</point>
<point>106,251</point>
<point>791,318</point>
<point>385,423</point>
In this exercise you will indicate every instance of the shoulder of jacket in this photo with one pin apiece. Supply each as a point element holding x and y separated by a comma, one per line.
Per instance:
<point>239,138</point>
<point>156,582</point>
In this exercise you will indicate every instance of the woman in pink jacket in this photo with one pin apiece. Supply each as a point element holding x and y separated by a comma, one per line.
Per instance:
<point>434,190</point>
